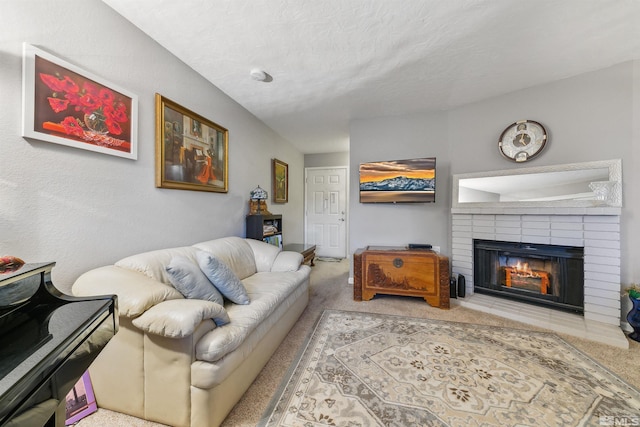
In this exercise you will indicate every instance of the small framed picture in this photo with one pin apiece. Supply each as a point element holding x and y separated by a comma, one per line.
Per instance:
<point>80,401</point>
<point>66,105</point>
<point>192,153</point>
<point>280,181</point>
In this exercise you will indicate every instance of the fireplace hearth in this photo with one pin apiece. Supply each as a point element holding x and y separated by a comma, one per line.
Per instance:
<point>549,275</point>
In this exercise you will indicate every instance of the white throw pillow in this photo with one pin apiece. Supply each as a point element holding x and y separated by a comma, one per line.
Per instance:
<point>223,278</point>
<point>190,281</point>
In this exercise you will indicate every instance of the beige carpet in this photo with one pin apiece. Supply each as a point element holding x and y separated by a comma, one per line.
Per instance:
<point>330,290</point>
<point>365,369</point>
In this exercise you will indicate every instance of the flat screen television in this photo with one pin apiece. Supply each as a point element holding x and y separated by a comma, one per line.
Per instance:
<point>398,181</point>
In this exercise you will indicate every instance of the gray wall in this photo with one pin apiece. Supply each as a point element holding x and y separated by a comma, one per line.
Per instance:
<point>631,171</point>
<point>397,138</point>
<point>326,160</point>
<point>84,209</point>
<point>593,116</point>
<point>588,117</point>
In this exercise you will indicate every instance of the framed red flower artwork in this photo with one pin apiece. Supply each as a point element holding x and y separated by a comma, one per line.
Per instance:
<point>66,105</point>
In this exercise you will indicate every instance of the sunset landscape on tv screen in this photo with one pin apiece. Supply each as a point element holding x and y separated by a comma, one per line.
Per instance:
<point>398,181</point>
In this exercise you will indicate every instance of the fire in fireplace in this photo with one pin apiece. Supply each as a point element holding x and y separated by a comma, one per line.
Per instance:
<point>523,277</point>
<point>550,275</point>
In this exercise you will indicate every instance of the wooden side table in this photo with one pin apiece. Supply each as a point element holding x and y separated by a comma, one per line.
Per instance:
<point>308,251</point>
<point>400,271</point>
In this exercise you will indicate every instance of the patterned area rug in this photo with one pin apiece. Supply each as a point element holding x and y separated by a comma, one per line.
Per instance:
<point>363,369</point>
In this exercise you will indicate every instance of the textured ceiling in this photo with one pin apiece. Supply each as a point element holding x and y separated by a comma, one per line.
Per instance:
<point>336,60</point>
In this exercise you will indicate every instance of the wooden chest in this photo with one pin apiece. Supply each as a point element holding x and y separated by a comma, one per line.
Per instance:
<point>400,271</point>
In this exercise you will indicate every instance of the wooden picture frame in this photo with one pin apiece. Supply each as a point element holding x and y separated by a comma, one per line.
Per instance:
<point>80,401</point>
<point>192,153</point>
<point>280,181</point>
<point>64,104</point>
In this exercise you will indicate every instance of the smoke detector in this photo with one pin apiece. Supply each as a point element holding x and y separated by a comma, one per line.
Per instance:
<point>259,75</point>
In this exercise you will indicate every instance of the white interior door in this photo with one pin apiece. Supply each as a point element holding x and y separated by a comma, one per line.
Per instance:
<point>326,210</point>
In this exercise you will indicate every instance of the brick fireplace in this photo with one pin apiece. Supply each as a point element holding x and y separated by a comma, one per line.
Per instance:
<point>596,230</point>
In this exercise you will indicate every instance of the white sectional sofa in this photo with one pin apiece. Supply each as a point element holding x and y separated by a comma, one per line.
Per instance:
<point>170,362</point>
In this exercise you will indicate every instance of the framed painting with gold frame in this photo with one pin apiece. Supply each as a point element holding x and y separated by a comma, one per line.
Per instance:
<point>280,181</point>
<point>192,153</point>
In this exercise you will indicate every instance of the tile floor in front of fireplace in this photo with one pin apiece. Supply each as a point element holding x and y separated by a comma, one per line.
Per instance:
<point>557,321</point>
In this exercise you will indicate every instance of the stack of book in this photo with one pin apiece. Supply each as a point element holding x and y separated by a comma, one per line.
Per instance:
<point>269,229</point>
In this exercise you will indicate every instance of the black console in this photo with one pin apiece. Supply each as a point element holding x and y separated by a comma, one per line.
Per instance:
<point>419,246</point>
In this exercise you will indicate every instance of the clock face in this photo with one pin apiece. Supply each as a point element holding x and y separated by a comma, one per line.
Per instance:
<point>522,140</point>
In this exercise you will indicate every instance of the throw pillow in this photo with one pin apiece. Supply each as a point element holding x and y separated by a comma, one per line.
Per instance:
<point>223,278</point>
<point>190,281</point>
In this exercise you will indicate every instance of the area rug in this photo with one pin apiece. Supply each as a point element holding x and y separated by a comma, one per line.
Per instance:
<point>364,369</point>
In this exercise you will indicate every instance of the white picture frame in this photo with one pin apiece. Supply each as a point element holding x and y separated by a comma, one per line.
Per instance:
<point>67,105</point>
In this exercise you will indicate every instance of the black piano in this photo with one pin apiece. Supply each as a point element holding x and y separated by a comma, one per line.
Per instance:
<point>47,341</point>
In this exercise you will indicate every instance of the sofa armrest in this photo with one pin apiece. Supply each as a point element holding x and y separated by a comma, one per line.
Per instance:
<point>272,258</point>
<point>263,253</point>
<point>180,318</point>
<point>287,261</point>
<point>136,292</point>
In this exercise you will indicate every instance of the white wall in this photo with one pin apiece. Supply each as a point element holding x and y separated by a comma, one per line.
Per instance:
<point>593,116</point>
<point>84,209</point>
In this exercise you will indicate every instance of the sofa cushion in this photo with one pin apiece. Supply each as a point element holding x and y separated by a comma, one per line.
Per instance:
<point>179,318</point>
<point>222,278</point>
<point>154,264</point>
<point>235,252</point>
<point>206,374</point>
<point>267,291</point>
<point>190,281</point>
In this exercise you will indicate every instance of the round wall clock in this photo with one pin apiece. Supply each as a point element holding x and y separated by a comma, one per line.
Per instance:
<point>522,140</point>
